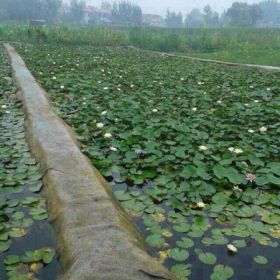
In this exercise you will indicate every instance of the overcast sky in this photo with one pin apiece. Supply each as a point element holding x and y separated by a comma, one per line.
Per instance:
<point>160,6</point>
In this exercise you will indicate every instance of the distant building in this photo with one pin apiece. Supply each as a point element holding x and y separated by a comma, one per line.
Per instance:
<point>153,20</point>
<point>94,15</point>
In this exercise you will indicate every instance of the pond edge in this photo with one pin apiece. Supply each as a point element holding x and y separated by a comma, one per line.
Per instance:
<point>96,238</point>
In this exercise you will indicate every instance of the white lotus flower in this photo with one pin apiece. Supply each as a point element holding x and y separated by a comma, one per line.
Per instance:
<point>251,86</point>
<point>62,87</point>
<point>7,112</point>
<point>238,151</point>
<point>84,103</point>
<point>105,88</point>
<point>99,125</point>
<point>104,113</point>
<point>182,79</point>
<point>236,188</point>
<point>256,101</point>
<point>107,135</point>
<point>54,78</point>
<point>203,148</point>
<point>263,129</point>
<point>251,131</point>
<point>113,149</point>
<point>4,106</point>
<point>246,104</point>
<point>232,248</point>
<point>194,109</point>
<point>201,204</point>
<point>84,98</point>
<point>155,110</point>
<point>200,83</point>
<point>219,102</point>
<point>268,89</point>
<point>231,149</point>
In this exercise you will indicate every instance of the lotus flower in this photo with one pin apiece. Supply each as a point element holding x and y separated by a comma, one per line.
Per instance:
<point>250,177</point>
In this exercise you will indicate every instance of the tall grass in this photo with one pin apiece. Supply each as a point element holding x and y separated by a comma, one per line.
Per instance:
<point>244,45</point>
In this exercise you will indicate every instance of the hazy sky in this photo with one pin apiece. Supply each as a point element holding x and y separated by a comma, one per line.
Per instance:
<point>160,6</point>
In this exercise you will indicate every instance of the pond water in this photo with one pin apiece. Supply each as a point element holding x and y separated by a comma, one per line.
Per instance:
<point>243,264</point>
<point>27,240</point>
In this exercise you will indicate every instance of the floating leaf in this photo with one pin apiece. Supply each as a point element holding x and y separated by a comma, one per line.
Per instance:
<point>261,260</point>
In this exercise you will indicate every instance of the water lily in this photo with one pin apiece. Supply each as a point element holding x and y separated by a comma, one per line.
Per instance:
<point>201,204</point>
<point>250,177</point>
<point>7,112</point>
<point>268,89</point>
<point>138,151</point>
<point>54,78</point>
<point>155,110</point>
<point>232,248</point>
<point>238,151</point>
<point>251,131</point>
<point>108,135</point>
<point>104,113</point>
<point>105,88</point>
<point>84,103</point>
<point>99,125</point>
<point>62,87</point>
<point>194,109</point>
<point>236,188</point>
<point>263,129</point>
<point>219,102</point>
<point>231,149</point>
<point>113,149</point>
<point>200,83</point>
<point>256,101</point>
<point>203,148</point>
<point>4,106</point>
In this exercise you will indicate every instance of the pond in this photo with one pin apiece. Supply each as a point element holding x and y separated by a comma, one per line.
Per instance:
<point>196,144</point>
<point>27,240</point>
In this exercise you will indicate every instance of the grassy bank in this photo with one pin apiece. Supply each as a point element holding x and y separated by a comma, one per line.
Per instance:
<point>246,45</point>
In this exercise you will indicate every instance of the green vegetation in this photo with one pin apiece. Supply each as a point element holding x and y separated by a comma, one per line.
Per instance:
<point>256,46</point>
<point>191,150</point>
<point>22,210</point>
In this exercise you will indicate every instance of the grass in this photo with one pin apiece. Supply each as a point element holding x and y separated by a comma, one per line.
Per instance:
<point>255,46</point>
<point>191,151</point>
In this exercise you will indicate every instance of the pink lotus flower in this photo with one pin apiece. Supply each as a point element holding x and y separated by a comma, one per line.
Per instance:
<point>250,177</point>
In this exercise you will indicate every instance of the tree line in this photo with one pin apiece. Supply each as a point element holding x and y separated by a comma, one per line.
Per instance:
<point>267,12</point>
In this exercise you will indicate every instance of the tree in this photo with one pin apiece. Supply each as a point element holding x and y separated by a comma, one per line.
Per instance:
<point>23,10</point>
<point>195,19</point>
<point>50,9</point>
<point>211,19</point>
<point>106,6</point>
<point>127,13</point>
<point>242,14</point>
<point>77,11</point>
<point>271,11</point>
<point>173,19</point>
